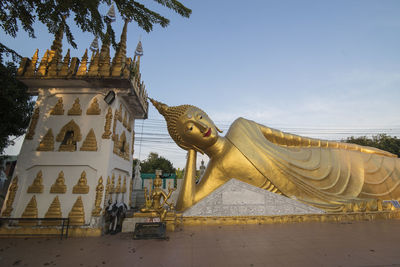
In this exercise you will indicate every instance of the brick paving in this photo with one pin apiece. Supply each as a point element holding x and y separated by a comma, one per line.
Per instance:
<point>375,243</point>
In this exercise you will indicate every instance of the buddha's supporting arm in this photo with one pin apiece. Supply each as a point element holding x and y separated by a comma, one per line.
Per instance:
<point>188,190</point>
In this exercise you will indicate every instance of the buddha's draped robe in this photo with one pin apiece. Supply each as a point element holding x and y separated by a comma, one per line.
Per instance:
<point>324,174</point>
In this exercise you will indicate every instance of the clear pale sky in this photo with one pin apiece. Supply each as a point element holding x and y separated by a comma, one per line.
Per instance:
<point>324,69</point>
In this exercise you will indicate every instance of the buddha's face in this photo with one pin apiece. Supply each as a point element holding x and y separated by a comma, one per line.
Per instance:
<point>196,128</point>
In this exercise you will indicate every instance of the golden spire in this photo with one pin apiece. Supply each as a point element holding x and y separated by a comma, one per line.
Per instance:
<point>30,70</point>
<point>121,50</point>
<point>65,65</point>
<point>99,194</point>
<point>57,43</point>
<point>43,65</point>
<point>94,65</point>
<point>120,55</point>
<point>127,69</point>
<point>104,58</point>
<point>55,52</point>
<point>83,66</point>
<point>139,54</point>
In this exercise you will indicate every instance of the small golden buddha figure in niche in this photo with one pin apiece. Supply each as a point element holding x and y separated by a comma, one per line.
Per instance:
<point>324,174</point>
<point>68,143</point>
<point>153,199</point>
<point>69,135</point>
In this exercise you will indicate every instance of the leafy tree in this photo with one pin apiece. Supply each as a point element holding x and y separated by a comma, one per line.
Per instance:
<point>15,105</point>
<point>381,141</point>
<point>155,162</point>
<point>86,15</point>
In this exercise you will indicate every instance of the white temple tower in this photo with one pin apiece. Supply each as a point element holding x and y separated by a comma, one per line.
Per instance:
<point>77,153</point>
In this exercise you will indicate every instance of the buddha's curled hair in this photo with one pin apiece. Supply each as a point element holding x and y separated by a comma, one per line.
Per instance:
<point>171,115</point>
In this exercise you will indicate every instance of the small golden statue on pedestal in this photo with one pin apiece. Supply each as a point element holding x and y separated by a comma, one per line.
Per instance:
<point>153,199</point>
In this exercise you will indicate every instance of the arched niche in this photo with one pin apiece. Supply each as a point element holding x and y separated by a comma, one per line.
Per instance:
<point>68,136</point>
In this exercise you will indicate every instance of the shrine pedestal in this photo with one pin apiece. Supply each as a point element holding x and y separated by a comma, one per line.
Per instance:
<point>129,224</point>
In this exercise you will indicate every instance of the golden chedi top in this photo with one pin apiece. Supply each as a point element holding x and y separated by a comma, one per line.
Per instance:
<point>328,175</point>
<point>101,71</point>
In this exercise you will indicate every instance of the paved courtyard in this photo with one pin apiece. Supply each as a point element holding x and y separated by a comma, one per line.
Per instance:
<point>374,243</point>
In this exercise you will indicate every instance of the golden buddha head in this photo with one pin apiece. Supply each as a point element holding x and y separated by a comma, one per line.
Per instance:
<point>189,126</point>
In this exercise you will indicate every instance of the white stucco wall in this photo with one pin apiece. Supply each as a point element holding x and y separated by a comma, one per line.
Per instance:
<point>103,162</point>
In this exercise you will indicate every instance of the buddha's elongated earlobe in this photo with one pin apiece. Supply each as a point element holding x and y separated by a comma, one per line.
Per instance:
<point>218,129</point>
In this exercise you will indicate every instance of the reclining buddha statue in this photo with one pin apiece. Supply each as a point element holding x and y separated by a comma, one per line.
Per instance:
<point>325,174</point>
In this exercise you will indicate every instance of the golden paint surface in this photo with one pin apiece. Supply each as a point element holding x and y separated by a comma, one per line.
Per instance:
<point>328,175</point>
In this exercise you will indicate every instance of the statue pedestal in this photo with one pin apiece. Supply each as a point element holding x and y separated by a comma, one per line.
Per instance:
<point>171,221</point>
<point>236,198</point>
<point>129,224</point>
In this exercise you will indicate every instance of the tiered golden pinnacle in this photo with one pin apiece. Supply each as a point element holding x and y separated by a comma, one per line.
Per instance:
<point>77,214</point>
<point>47,143</point>
<point>99,194</point>
<point>90,143</point>
<point>12,190</point>
<point>30,211</point>
<point>107,126</point>
<point>53,66</point>
<point>32,126</point>
<point>54,211</point>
